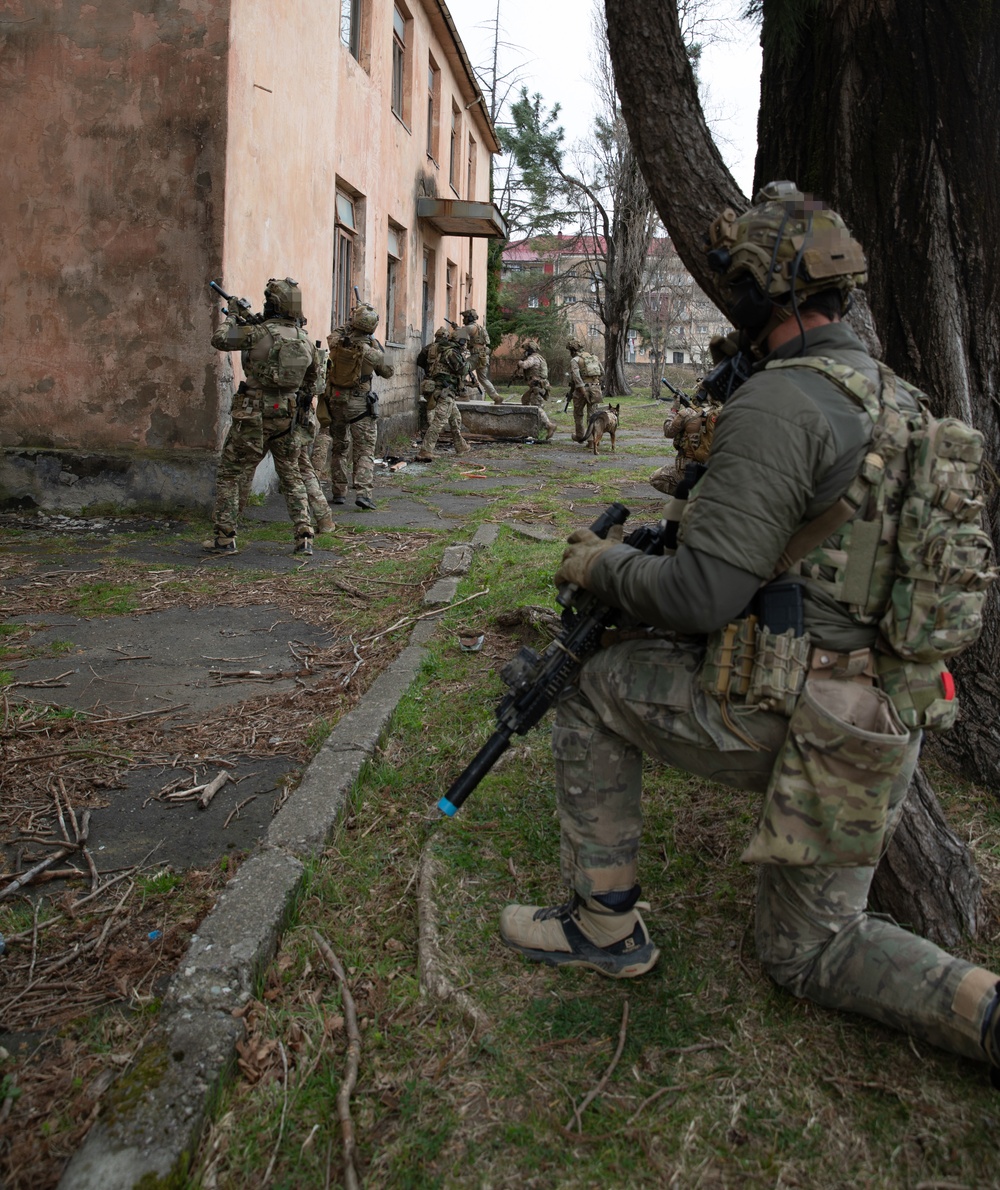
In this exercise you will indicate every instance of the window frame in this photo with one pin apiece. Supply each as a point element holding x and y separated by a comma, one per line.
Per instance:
<point>454,146</point>
<point>433,109</point>
<point>401,66</point>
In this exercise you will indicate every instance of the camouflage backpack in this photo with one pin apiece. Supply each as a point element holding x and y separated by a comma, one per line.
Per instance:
<point>346,362</point>
<point>590,368</point>
<point>289,359</point>
<point>908,551</point>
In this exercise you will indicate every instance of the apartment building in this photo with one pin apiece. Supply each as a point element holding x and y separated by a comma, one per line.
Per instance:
<point>674,319</point>
<point>159,147</point>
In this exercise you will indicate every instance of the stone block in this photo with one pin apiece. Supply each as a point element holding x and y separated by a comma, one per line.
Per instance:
<point>500,421</point>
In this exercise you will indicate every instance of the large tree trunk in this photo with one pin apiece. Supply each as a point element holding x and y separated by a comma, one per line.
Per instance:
<point>889,112</point>
<point>841,125</point>
<point>926,880</point>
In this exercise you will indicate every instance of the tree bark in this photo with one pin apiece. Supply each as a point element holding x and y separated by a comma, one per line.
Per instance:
<point>889,111</point>
<point>926,880</point>
<point>862,112</point>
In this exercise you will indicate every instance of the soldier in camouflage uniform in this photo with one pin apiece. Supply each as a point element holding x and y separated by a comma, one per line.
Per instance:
<point>353,409</point>
<point>535,370</point>
<point>585,372</point>
<point>477,339</point>
<point>834,782</point>
<point>684,426</point>
<point>265,417</point>
<point>447,369</point>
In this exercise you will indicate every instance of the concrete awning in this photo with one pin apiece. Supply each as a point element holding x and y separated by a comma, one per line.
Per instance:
<point>455,217</point>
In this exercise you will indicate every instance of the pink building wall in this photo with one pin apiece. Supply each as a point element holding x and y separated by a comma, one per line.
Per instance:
<point>147,154</point>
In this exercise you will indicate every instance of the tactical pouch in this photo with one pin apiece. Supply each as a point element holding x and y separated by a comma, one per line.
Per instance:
<point>780,665</point>
<point>728,664</point>
<point>427,386</point>
<point>830,788</point>
<point>923,693</point>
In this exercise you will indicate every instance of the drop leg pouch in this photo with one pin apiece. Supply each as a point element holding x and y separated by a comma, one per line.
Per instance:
<point>828,796</point>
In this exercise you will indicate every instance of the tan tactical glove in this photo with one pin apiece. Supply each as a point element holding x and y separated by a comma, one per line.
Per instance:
<point>583,549</point>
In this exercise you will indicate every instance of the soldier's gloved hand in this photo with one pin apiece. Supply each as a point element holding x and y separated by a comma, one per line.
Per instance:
<point>583,549</point>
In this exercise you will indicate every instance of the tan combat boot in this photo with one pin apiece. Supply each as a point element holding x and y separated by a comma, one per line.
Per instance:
<point>325,524</point>
<point>220,545</point>
<point>583,933</point>
<point>461,446</point>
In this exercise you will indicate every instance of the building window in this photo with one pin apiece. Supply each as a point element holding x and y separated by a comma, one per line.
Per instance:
<point>470,175</point>
<point>532,303</point>
<point>350,26</point>
<point>345,232</point>
<point>594,330</point>
<point>398,62</point>
<point>678,357</point>
<point>433,108</point>
<point>449,290</point>
<point>427,297</point>
<point>455,147</point>
<point>569,299</point>
<point>394,305</point>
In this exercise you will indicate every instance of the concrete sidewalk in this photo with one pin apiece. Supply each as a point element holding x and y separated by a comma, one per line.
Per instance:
<point>152,1117</point>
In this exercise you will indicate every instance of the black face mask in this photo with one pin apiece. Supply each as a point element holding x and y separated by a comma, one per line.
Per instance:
<point>748,307</point>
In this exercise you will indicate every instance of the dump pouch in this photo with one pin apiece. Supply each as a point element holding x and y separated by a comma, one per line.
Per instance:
<point>829,793</point>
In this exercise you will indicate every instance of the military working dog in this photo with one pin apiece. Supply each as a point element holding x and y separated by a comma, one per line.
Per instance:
<point>602,421</point>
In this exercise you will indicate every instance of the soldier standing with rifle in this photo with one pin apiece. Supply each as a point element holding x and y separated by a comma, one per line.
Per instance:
<point>477,340</point>
<point>790,663</point>
<point>351,404</point>
<point>585,372</point>
<point>447,369</point>
<point>535,370</point>
<point>279,362</point>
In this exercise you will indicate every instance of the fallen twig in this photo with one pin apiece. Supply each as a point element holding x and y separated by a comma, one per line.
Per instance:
<point>592,1094</point>
<point>284,1111</point>
<point>235,811</point>
<point>27,877</point>
<point>437,611</point>
<point>353,1060</point>
<point>212,788</point>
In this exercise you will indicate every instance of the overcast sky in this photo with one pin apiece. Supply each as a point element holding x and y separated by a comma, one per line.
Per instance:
<point>547,45</point>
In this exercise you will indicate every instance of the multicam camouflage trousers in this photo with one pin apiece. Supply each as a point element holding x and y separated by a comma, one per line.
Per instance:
<point>319,510</point>
<point>480,363</point>
<point>585,401</point>
<point>354,435</point>
<point>248,441</point>
<point>444,413</point>
<point>813,934</point>
<point>536,395</point>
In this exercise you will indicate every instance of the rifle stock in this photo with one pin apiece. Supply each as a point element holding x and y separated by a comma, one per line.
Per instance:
<point>535,680</point>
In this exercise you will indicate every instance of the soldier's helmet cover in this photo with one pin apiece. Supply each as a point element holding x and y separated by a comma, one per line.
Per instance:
<point>574,345</point>
<point>443,332</point>
<point>531,346</point>
<point>364,318</point>
<point>469,315</point>
<point>785,248</point>
<point>283,297</point>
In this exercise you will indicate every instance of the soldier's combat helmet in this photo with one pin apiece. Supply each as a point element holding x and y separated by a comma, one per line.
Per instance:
<point>364,318</point>
<point>531,346</point>
<point>443,332</point>
<point>283,298</point>
<point>573,346</point>
<point>469,315</point>
<point>785,248</point>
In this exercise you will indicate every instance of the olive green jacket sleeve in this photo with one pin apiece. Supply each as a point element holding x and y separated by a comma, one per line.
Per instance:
<point>785,447</point>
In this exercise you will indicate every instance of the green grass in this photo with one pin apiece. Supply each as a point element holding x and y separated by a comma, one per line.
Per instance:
<point>769,1090</point>
<point>106,599</point>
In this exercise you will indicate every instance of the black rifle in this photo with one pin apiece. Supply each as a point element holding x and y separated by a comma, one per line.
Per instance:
<point>569,397</point>
<point>242,305</point>
<point>678,394</point>
<point>536,679</point>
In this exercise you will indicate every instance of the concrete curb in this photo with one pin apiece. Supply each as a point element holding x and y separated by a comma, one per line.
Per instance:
<point>150,1125</point>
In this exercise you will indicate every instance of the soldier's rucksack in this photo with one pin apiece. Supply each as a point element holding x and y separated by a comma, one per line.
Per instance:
<point>705,435</point>
<point>289,359</point>
<point>590,368</point>
<point>915,557</point>
<point>346,361</point>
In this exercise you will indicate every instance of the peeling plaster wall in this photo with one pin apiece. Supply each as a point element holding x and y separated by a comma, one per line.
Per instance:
<point>111,192</point>
<point>303,113</point>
